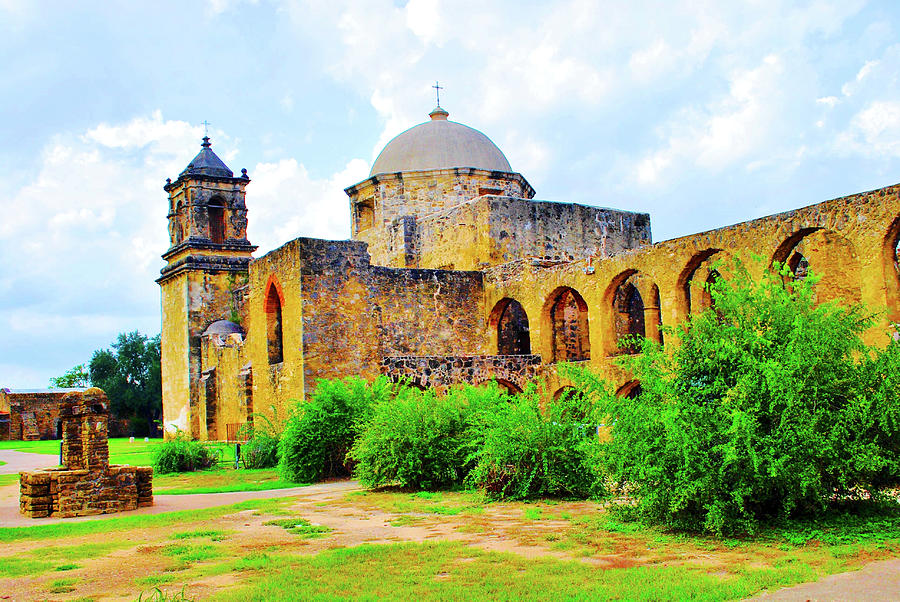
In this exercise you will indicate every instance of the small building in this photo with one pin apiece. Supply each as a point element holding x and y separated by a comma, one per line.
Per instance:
<point>31,414</point>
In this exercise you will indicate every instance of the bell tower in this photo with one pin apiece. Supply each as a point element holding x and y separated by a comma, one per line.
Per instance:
<point>208,258</point>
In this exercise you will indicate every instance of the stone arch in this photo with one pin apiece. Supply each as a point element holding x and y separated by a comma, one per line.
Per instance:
<point>274,327</point>
<point>891,265</point>
<point>509,323</point>
<point>691,297</point>
<point>828,254</point>
<point>564,390</point>
<point>633,304</point>
<point>565,318</point>
<point>510,387</point>
<point>215,211</point>
<point>630,390</point>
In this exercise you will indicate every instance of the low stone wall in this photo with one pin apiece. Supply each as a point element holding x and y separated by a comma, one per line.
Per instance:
<point>65,493</point>
<point>86,484</point>
<point>443,371</point>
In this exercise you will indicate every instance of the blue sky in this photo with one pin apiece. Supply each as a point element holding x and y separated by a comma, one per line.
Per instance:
<point>702,113</point>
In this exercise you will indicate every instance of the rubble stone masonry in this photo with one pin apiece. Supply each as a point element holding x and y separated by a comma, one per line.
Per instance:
<point>86,483</point>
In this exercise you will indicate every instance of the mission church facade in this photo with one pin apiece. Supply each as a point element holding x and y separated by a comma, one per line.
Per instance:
<point>454,273</point>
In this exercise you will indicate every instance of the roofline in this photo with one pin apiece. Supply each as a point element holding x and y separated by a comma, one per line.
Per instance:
<point>456,171</point>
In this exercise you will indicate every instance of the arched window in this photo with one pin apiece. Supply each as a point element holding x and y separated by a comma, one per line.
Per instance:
<point>273,326</point>
<point>512,328</point>
<point>629,315</point>
<point>568,319</point>
<point>216,213</point>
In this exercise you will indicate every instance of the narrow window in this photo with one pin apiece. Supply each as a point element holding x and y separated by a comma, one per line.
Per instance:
<point>216,212</point>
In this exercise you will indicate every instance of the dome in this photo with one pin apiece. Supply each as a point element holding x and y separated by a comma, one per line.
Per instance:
<point>440,144</point>
<point>223,327</point>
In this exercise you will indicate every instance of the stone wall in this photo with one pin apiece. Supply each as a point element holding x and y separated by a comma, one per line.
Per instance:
<point>440,372</point>
<point>86,484</point>
<point>493,230</point>
<point>379,204</point>
<point>33,413</point>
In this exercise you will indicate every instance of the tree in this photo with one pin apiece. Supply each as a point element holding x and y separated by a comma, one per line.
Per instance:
<point>74,377</point>
<point>130,375</point>
<point>769,407</point>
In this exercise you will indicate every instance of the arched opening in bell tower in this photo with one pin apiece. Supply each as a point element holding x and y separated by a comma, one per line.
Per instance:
<point>216,212</point>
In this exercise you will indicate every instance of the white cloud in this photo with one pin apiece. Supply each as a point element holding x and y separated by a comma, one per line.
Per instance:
<point>874,131</point>
<point>723,132</point>
<point>424,19</point>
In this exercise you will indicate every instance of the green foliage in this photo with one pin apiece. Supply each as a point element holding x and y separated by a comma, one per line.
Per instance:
<point>300,526</point>
<point>769,407</point>
<point>260,450</point>
<point>130,375</point>
<point>422,440</point>
<point>522,451</point>
<point>73,378</point>
<point>181,454</point>
<point>320,432</point>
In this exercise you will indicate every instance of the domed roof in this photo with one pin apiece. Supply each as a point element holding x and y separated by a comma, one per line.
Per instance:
<point>223,327</point>
<point>440,144</point>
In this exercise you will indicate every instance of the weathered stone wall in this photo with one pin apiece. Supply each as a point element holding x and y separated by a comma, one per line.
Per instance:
<point>225,399</point>
<point>441,372</point>
<point>379,204</point>
<point>191,301</point>
<point>33,414</point>
<point>492,230</point>
<point>86,484</point>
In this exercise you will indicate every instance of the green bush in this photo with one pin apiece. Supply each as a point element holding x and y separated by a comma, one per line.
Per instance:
<point>260,450</point>
<point>769,407</point>
<point>180,454</point>
<point>523,452</point>
<point>422,440</point>
<point>320,432</point>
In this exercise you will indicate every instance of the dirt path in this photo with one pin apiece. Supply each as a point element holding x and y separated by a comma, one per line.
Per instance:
<point>875,582</point>
<point>16,461</point>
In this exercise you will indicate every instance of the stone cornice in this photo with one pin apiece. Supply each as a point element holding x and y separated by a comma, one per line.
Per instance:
<point>453,171</point>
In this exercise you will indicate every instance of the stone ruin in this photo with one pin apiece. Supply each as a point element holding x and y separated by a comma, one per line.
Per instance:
<point>86,483</point>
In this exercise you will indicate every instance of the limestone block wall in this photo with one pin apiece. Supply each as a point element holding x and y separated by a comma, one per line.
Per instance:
<point>379,203</point>
<point>226,399</point>
<point>86,483</point>
<point>341,315</point>
<point>191,301</point>
<point>33,413</point>
<point>492,230</point>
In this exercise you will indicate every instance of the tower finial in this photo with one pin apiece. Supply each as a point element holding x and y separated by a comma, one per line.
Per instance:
<point>437,88</point>
<point>205,125</point>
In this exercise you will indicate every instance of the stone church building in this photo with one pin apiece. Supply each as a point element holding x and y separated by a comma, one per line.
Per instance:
<point>455,273</point>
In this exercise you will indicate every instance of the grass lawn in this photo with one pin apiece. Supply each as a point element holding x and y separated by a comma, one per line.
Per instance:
<point>121,450</point>
<point>218,481</point>
<point>285,550</point>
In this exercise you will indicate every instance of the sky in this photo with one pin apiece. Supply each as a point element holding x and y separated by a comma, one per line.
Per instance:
<point>701,113</point>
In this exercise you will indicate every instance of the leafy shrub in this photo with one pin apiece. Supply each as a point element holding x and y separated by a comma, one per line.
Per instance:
<point>422,440</point>
<point>769,407</point>
<point>260,450</point>
<point>523,451</point>
<point>180,454</point>
<point>320,432</point>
